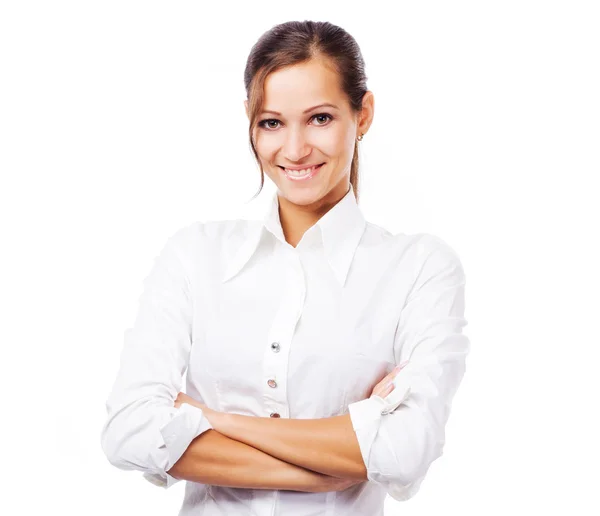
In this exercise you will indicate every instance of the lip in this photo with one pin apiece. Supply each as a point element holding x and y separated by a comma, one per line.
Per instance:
<point>300,167</point>
<point>309,176</point>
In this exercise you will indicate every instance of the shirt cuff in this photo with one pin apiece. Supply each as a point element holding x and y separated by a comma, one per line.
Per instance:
<point>165,481</point>
<point>403,493</point>
<point>364,412</point>
<point>366,416</point>
<point>187,424</point>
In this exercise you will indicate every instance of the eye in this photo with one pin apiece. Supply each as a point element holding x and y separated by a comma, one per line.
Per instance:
<point>326,115</point>
<point>264,123</point>
<point>270,124</point>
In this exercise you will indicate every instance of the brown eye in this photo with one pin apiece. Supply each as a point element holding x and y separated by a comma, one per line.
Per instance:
<point>266,123</point>
<point>326,116</point>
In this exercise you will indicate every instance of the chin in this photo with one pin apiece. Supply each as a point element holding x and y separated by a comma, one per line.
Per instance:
<point>302,196</point>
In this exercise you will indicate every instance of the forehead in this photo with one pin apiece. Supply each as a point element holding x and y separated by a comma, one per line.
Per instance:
<point>293,88</point>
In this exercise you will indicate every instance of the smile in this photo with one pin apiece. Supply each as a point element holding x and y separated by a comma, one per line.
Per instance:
<point>303,174</point>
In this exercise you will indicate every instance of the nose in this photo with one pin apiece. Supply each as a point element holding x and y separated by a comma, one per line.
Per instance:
<point>296,145</point>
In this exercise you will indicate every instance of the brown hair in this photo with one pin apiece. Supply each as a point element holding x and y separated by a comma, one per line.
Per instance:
<point>296,42</point>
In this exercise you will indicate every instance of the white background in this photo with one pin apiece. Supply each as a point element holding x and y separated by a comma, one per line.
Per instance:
<point>122,121</point>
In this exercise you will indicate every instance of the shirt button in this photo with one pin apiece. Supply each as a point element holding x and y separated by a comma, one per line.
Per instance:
<point>275,414</point>
<point>272,383</point>
<point>275,347</point>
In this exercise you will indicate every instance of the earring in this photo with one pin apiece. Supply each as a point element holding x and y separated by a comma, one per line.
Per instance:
<point>359,138</point>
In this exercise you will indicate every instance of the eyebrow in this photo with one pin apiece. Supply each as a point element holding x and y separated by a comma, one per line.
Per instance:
<point>326,104</point>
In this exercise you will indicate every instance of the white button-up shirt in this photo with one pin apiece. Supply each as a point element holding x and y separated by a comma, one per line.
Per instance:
<point>267,329</point>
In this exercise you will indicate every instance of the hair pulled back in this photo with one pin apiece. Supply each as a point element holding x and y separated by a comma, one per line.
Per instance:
<point>296,42</point>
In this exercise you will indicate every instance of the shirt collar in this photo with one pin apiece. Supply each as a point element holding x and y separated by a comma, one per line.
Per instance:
<point>341,229</point>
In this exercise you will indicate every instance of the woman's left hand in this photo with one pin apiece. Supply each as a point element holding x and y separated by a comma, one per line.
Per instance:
<point>184,398</point>
<point>218,420</point>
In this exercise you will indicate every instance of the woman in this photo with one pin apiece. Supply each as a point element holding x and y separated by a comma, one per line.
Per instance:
<point>290,326</point>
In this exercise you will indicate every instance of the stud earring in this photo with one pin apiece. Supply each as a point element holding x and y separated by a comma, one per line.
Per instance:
<point>359,138</point>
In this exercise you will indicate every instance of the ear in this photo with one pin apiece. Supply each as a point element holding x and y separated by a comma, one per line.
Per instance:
<point>246,107</point>
<point>367,113</point>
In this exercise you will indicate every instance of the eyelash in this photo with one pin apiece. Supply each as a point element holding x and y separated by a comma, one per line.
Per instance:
<point>263,123</point>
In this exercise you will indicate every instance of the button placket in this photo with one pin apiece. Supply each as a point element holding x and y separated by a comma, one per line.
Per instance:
<point>276,356</point>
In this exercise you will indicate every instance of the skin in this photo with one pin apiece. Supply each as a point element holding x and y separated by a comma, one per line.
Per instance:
<point>295,138</point>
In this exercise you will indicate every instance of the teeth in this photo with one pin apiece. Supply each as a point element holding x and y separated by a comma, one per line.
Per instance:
<point>300,173</point>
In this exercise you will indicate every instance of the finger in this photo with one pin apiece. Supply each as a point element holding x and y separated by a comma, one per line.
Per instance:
<point>384,389</point>
<point>397,369</point>
<point>387,390</point>
<point>387,379</point>
<point>390,376</point>
<point>400,366</point>
<point>383,383</point>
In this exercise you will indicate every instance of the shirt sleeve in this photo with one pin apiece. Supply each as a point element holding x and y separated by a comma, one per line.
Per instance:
<point>401,436</point>
<point>144,431</point>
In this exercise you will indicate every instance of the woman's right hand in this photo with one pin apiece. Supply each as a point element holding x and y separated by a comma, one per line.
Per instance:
<point>385,385</point>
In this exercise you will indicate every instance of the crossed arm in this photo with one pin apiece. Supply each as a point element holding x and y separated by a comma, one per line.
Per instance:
<point>309,455</point>
<point>267,453</point>
<point>328,446</point>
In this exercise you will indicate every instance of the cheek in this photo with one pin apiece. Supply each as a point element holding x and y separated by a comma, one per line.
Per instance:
<point>337,143</point>
<point>266,147</point>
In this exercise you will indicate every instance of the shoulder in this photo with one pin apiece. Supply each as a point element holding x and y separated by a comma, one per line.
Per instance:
<point>435,257</point>
<point>418,244</point>
<point>428,245</point>
<point>210,232</point>
<point>211,239</point>
<point>411,250</point>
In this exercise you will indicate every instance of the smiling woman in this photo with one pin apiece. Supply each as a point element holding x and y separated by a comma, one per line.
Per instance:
<point>303,142</point>
<point>322,351</point>
<point>314,82</point>
<point>310,150</point>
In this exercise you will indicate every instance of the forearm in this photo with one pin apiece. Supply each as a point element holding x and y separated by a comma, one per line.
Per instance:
<point>328,445</point>
<point>213,458</point>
